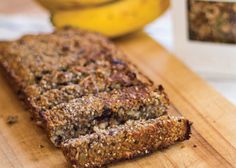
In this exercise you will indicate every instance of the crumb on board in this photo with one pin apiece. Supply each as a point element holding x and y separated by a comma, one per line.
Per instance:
<point>194,146</point>
<point>41,146</point>
<point>12,119</point>
<point>182,146</point>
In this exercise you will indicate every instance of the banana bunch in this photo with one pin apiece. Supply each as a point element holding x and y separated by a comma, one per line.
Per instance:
<point>112,18</point>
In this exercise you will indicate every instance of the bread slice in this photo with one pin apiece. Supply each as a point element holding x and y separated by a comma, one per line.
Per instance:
<point>134,138</point>
<point>106,109</point>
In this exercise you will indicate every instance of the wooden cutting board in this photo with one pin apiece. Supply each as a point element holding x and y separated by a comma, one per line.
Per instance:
<point>213,142</point>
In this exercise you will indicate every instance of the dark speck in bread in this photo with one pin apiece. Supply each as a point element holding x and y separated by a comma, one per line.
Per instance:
<point>12,119</point>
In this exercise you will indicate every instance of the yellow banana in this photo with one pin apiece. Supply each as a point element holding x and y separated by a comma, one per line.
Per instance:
<point>93,2</point>
<point>113,19</point>
<point>53,5</point>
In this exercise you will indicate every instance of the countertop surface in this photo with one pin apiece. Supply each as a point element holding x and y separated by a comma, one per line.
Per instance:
<point>213,138</point>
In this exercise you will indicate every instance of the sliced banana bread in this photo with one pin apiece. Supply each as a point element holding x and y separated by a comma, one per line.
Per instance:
<point>106,109</point>
<point>90,99</point>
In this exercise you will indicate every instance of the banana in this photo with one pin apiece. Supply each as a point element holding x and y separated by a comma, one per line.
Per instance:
<point>54,5</point>
<point>93,2</point>
<point>113,19</point>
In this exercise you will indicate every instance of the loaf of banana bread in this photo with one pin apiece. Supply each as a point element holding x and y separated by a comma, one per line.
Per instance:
<point>90,99</point>
<point>134,138</point>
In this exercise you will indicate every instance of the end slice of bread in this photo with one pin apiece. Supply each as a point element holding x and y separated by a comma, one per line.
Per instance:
<point>134,138</point>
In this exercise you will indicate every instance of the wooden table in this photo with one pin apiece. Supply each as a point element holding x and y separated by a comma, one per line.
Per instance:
<point>213,142</point>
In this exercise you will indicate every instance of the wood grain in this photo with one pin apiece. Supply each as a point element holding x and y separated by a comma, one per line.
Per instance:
<point>213,142</point>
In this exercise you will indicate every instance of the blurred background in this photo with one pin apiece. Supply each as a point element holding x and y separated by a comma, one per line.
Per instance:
<point>201,34</point>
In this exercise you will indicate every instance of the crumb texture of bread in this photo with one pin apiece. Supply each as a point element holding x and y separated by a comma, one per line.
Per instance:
<point>103,110</point>
<point>134,138</point>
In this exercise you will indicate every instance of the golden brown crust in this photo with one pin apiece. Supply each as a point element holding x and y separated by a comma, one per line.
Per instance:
<point>135,138</point>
